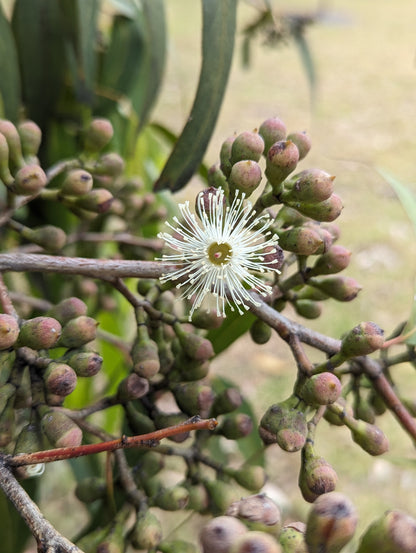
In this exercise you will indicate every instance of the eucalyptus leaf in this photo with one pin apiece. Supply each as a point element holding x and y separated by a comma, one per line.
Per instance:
<point>232,328</point>
<point>9,68</point>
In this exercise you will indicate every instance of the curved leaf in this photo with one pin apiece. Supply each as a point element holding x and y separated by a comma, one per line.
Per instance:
<point>233,327</point>
<point>219,20</point>
<point>9,70</point>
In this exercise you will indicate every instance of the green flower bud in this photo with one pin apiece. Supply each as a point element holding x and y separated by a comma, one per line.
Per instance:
<point>325,211</point>
<point>226,401</point>
<point>13,140</point>
<point>310,293</point>
<point>362,340</point>
<point>145,357</point>
<point>333,415</point>
<point>5,174</point>
<point>77,183</point>
<point>310,185</point>
<point>219,534</point>
<point>341,288</point>
<point>177,546</point>
<point>316,476</point>
<point>194,398</point>
<point>250,477</point>
<point>150,464</point>
<point>90,489</point>
<point>29,440</point>
<point>59,379</point>
<point>300,240</point>
<point>163,420</point>
<point>256,541</point>
<point>272,130</point>
<point>225,155</point>
<point>307,308</point>
<point>394,532</point>
<point>98,135</point>
<point>98,200</point>
<point>202,318</point>
<point>336,259</point>
<point>49,237</point>
<point>282,158</point>
<point>377,403</point>
<point>30,179</point>
<point>284,425</point>
<point>246,146</point>
<point>132,387</point>
<point>198,498</point>
<point>289,217</point>
<point>189,369</point>
<point>292,539</point>
<point>216,177</point>
<point>259,512</point>
<point>363,410</point>
<point>172,499</point>
<point>9,331</point>
<point>260,332</point>
<point>302,141</point>
<point>245,176</point>
<point>7,359</point>
<point>235,426</point>
<point>195,346</point>
<point>39,333</point>
<point>331,523</point>
<point>321,389</point>
<point>84,363</point>
<point>110,164</point>
<point>221,494</point>
<point>79,331</point>
<point>60,430</point>
<point>368,436</point>
<point>31,138</point>
<point>146,532</point>
<point>137,421</point>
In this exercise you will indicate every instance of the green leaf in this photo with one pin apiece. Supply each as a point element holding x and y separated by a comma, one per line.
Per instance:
<point>307,60</point>
<point>408,201</point>
<point>219,20</point>
<point>233,327</point>
<point>9,70</point>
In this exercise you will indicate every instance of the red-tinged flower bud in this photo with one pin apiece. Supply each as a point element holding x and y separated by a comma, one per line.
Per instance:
<point>369,437</point>
<point>146,532</point>
<point>336,259</point>
<point>324,235</point>
<point>98,135</point>
<point>235,426</point>
<point>110,164</point>
<point>194,398</point>
<point>260,332</point>
<point>190,369</point>
<point>273,257</point>
<point>307,308</point>
<point>310,185</point>
<point>302,141</point>
<point>145,357</point>
<point>49,237</point>
<point>195,346</point>
<point>31,137</point>
<point>216,177</point>
<point>226,401</point>
<point>362,340</point>
<point>13,140</point>
<point>259,512</point>
<point>30,179</point>
<point>60,430</point>
<point>137,421</point>
<point>9,331</point>
<point>59,379</point>
<point>325,211</point>
<point>250,477</point>
<point>321,389</point>
<point>90,489</point>
<point>202,318</point>
<point>316,475</point>
<point>98,200</point>
<point>77,183</point>
<point>284,425</point>
<point>39,333</point>
<point>341,288</point>
<point>225,155</point>
<point>272,130</point>
<point>204,202</point>
<point>84,363</point>
<point>292,539</point>
<point>300,240</point>
<point>132,387</point>
<point>394,532</point>
<point>282,158</point>
<point>256,541</point>
<point>248,146</point>
<point>219,534</point>
<point>79,331</point>
<point>245,176</point>
<point>331,523</point>
<point>68,309</point>
<point>172,499</point>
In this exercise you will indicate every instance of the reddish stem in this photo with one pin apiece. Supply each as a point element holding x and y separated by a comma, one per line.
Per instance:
<point>144,440</point>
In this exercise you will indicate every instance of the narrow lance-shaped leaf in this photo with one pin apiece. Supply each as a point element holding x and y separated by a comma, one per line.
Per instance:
<point>9,70</point>
<point>219,19</point>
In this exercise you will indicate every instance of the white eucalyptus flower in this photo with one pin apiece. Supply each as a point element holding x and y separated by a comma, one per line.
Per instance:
<point>216,253</point>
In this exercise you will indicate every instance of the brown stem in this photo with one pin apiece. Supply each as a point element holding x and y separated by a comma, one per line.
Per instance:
<point>47,538</point>
<point>146,440</point>
<point>153,244</point>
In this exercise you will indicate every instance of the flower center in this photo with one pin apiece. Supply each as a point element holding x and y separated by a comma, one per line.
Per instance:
<point>218,254</point>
